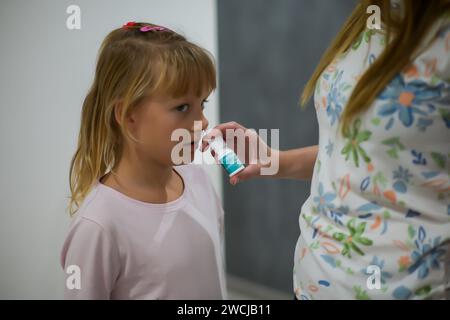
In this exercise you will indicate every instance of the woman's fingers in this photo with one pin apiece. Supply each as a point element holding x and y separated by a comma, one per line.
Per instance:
<point>214,132</point>
<point>229,125</point>
<point>204,146</point>
<point>220,130</point>
<point>251,171</point>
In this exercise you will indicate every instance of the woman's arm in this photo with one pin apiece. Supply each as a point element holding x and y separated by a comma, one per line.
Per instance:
<point>297,163</point>
<point>292,164</point>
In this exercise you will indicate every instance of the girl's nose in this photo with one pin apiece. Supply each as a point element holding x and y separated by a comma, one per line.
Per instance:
<point>204,121</point>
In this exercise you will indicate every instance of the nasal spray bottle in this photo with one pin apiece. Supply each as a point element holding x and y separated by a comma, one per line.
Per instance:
<point>226,157</point>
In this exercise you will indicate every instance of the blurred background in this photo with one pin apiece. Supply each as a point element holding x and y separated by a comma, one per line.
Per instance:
<point>265,52</point>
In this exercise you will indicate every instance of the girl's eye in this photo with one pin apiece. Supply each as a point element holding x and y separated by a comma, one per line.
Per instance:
<point>183,108</point>
<point>203,103</point>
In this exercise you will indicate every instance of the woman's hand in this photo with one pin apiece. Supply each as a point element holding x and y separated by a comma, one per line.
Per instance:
<point>249,147</point>
<point>258,156</point>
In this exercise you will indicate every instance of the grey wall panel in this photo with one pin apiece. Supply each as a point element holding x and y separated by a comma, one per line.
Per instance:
<point>267,51</point>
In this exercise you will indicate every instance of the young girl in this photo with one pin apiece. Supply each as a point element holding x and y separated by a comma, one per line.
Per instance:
<point>143,229</point>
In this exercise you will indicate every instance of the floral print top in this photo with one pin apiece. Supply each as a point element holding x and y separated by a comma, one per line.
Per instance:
<point>380,194</point>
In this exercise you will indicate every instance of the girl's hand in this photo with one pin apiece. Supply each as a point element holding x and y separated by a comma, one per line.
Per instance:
<point>247,145</point>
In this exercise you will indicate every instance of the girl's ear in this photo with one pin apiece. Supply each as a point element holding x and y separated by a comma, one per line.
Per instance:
<point>118,110</point>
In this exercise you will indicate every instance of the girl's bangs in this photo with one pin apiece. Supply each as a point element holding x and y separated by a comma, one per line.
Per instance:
<point>183,71</point>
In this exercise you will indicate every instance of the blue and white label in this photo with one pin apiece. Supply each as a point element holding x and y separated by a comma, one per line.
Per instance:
<point>231,163</point>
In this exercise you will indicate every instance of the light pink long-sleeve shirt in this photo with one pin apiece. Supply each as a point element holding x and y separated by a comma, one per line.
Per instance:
<point>129,249</point>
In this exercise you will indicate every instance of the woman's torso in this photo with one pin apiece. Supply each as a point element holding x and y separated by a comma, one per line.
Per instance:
<point>380,194</point>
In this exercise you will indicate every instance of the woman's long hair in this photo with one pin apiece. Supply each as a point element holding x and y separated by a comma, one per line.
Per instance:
<point>404,33</point>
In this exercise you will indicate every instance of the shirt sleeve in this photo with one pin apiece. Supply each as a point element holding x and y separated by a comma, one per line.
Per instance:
<point>443,52</point>
<point>436,57</point>
<point>90,261</point>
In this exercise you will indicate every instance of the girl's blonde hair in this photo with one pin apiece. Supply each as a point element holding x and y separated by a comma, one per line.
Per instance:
<point>404,33</point>
<point>131,65</point>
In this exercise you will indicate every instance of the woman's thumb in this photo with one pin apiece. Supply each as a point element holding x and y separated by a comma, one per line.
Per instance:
<point>248,173</point>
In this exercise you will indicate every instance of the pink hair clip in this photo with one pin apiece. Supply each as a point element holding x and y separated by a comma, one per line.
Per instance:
<point>129,24</point>
<point>152,28</point>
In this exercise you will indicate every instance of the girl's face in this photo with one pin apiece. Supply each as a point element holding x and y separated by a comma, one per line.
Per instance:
<point>157,117</point>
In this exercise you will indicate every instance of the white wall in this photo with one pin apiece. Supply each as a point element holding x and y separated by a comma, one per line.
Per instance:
<point>46,70</point>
